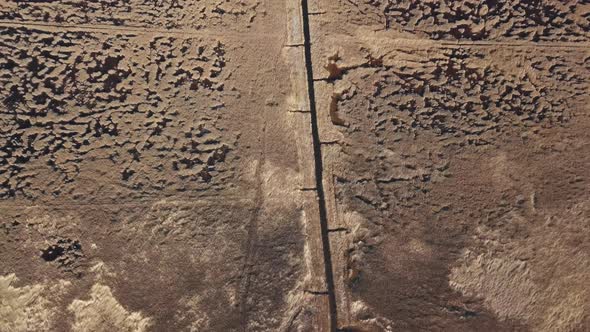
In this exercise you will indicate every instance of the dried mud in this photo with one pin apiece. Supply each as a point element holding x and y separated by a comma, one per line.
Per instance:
<point>329,165</point>
<point>456,141</point>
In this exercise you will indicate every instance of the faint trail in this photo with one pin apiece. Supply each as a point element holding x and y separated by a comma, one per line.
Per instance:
<point>106,28</point>
<point>319,168</point>
<point>206,199</point>
<point>252,238</point>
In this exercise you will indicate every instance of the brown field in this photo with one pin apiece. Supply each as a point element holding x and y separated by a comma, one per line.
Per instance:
<point>270,165</point>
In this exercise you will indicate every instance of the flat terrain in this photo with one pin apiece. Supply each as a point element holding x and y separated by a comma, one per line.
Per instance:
<point>456,138</point>
<point>265,165</point>
<point>151,171</point>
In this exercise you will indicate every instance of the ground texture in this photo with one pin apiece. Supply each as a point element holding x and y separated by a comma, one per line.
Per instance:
<point>323,165</point>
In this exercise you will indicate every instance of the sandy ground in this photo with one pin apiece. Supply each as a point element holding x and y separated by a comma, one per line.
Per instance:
<point>456,139</point>
<point>260,165</point>
<point>151,172</point>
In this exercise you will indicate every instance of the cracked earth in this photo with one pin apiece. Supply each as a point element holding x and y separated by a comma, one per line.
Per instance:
<point>270,165</point>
